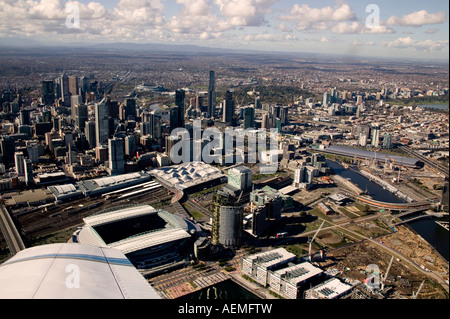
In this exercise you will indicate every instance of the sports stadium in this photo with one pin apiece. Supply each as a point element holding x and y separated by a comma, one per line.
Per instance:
<point>148,237</point>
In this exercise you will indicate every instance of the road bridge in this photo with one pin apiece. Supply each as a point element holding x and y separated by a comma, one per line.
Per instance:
<point>393,206</point>
<point>10,232</point>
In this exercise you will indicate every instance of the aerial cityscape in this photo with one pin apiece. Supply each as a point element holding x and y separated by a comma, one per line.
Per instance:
<point>203,161</point>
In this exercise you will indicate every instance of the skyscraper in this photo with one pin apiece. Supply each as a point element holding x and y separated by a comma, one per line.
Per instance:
<point>211,94</point>
<point>48,92</point>
<point>81,116</point>
<point>249,117</point>
<point>89,131</point>
<point>65,93</point>
<point>179,102</point>
<point>101,123</point>
<point>116,163</point>
<point>228,105</point>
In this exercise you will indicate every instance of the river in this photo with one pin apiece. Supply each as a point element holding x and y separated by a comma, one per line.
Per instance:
<point>434,234</point>
<point>227,289</point>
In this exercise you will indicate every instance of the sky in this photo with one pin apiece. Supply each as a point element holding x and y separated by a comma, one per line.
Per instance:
<point>379,28</point>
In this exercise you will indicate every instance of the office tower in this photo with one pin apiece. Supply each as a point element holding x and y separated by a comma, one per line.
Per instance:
<point>155,125</point>
<point>18,160</point>
<point>73,85</point>
<point>48,92</point>
<point>249,117</point>
<point>375,136</point>
<point>89,131</point>
<point>284,115</point>
<point>173,118</point>
<point>81,116</point>
<point>101,123</point>
<point>240,177</point>
<point>84,87</point>
<point>129,109</point>
<point>113,109</point>
<point>387,140</point>
<point>359,99</point>
<point>65,93</point>
<point>28,171</point>
<point>228,108</point>
<point>326,98</point>
<point>257,102</point>
<point>130,145</point>
<point>74,101</point>
<point>24,117</point>
<point>116,163</point>
<point>33,153</point>
<point>211,95</point>
<point>179,102</point>
<point>265,121</point>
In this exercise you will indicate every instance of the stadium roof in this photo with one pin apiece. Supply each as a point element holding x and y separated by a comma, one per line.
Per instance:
<point>72,271</point>
<point>175,229</point>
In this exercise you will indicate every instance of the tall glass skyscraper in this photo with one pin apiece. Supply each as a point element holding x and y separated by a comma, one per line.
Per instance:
<point>101,123</point>
<point>212,94</point>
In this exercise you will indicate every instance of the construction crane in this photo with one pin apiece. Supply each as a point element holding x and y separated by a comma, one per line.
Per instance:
<point>383,279</point>
<point>415,294</point>
<point>312,239</point>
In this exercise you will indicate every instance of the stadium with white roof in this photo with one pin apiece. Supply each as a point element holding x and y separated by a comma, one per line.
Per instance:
<point>148,237</point>
<point>72,271</point>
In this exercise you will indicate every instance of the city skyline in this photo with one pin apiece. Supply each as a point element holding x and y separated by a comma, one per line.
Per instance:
<point>410,29</point>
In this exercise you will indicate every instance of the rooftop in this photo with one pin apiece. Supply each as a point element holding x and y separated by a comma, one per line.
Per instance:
<point>298,273</point>
<point>271,258</point>
<point>44,272</point>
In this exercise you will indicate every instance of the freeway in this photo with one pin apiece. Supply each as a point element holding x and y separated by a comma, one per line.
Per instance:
<point>10,232</point>
<point>444,170</point>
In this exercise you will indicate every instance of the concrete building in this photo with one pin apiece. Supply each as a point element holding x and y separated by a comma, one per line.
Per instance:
<point>257,266</point>
<point>240,177</point>
<point>291,281</point>
<point>116,162</point>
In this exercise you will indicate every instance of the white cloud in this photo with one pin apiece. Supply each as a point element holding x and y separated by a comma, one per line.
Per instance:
<point>409,43</point>
<point>418,18</point>
<point>245,12</point>
<point>305,13</point>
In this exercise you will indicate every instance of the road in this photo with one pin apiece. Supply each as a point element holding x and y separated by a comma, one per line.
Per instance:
<point>10,232</point>
<point>438,166</point>
<point>377,243</point>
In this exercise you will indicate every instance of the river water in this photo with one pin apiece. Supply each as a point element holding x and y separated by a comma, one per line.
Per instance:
<point>227,289</point>
<point>427,228</point>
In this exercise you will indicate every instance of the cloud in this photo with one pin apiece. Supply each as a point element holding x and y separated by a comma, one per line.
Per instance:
<point>308,18</point>
<point>409,43</point>
<point>245,12</point>
<point>418,18</point>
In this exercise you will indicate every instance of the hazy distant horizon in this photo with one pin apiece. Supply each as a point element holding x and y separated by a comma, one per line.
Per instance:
<point>385,29</point>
